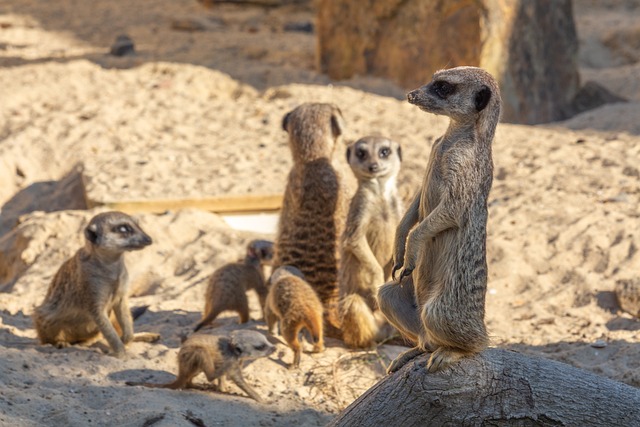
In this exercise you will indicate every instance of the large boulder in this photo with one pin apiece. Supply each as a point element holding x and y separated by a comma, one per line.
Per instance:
<point>529,47</point>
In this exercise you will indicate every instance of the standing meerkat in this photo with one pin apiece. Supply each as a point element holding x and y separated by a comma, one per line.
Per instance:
<point>315,203</point>
<point>228,285</point>
<point>367,242</point>
<point>439,302</point>
<point>92,284</point>
<point>294,302</point>
<point>218,356</point>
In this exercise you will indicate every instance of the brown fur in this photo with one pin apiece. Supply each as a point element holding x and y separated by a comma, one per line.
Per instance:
<point>92,284</point>
<point>217,356</point>
<point>228,285</point>
<point>367,243</point>
<point>294,303</point>
<point>315,203</point>
<point>440,300</point>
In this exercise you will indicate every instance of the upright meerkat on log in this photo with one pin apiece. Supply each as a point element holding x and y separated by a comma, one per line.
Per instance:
<point>367,242</point>
<point>439,301</point>
<point>315,203</point>
<point>91,285</point>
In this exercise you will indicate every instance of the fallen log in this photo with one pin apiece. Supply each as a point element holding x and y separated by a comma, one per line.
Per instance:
<point>495,388</point>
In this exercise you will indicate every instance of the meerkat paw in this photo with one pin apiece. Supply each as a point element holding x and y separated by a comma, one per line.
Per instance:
<point>61,344</point>
<point>442,358</point>
<point>403,358</point>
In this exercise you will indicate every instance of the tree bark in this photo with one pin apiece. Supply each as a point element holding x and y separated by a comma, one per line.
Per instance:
<point>495,388</point>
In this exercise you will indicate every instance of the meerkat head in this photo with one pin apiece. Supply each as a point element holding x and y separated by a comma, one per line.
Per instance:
<point>261,250</point>
<point>115,232</point>
<point>247,344</point>
<point>313,131</point>
<point>374,157</point>
<point>465,94</point>
<point>285,271</point>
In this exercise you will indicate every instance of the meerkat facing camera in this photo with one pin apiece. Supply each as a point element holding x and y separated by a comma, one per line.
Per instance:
<point>91,285</point>
<point>228,285</point>
<point>296,305</point>
<point>440,244</point>
<point>367,242</point>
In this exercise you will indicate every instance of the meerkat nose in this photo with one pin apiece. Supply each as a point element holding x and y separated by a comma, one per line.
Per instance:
<point>412,96</point>
<point>374,167</point>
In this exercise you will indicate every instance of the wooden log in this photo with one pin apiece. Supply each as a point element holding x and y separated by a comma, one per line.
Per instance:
<point>495,388</point>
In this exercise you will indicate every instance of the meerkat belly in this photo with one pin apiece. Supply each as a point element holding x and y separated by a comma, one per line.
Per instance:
<point>380,236</point>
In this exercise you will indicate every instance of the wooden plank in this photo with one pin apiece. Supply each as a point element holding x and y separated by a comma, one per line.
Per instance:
<point>224,204</point>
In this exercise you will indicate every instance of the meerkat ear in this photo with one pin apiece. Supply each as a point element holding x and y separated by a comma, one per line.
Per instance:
<point>337,122</point>
<point>348,154</point>
<point>91,233</point>
<point>285,121</point>
<point>400,152</point>
<point>482,98</point>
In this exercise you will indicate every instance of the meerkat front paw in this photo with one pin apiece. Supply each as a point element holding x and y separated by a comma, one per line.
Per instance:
<point>403,358</point>
<point>410,255</point>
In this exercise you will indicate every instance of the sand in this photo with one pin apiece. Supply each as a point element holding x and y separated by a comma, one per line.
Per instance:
<point>198,113</point>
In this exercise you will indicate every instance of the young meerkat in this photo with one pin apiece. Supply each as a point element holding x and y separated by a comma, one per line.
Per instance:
<point>218,356</point>
<point>91,285</point>
<point>439,301</point>
<point>296,305</point>
<point>367,242</point>
<point>315,203</point>
<point>228,285</point>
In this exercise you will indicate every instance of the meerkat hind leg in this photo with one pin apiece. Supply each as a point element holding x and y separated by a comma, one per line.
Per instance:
<point>403,358</point>
<point>443,357</point>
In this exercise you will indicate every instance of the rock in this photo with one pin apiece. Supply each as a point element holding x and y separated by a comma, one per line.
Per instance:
<point>530,48</point>
<point>122,46</point>
<point>628,293</point>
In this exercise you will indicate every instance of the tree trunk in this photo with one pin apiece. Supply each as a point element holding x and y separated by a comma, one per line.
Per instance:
<point>495,388</point>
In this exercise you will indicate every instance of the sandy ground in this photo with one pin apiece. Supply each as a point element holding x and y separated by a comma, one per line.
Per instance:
<point>198,113</point>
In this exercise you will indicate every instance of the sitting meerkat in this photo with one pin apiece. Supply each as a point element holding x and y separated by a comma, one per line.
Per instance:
<point>440,243</point>
<point>296,305</point>
<point>367,242</point>
<point>91,285</point>
<point>315,203</point>
<point>217,356</point>
<point>228,285</point>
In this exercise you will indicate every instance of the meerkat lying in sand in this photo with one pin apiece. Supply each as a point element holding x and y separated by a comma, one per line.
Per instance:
<point>218,356</point>
<point>228,285</point>
<point>91,285</point>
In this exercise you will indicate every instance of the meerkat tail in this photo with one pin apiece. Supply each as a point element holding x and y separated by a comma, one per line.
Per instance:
<point>146,337</point>
<point>359,325</point>
<point>208,319</point>
<point>171,385</point>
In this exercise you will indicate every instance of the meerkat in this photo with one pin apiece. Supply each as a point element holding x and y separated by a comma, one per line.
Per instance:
<point>367,242</point>
<point>439,301</point>
<point>218,356</point>
<point>228,285</point>
<point>315,203</point>
<point>296,305</point>
<point>91,285</point>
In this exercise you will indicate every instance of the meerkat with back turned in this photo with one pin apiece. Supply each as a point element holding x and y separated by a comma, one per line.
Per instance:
<point>367,242</point>
<point>296,305</point>
<point>439,302</point>
<point>218,356</point>
<point>228,285</point>
<point>91,285</point>
<point>315,203</point>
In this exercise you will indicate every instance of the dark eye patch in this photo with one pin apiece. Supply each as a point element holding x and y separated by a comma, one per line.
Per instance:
<point>384,152</point>
<point>261,347</point>
<point>443,89</point>
<point>361,154</point>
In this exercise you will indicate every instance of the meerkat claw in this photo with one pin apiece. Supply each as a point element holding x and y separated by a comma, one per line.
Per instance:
<point>406,272</point>
<point>395,270</point>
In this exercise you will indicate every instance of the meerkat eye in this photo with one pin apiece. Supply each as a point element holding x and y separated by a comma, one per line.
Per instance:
<point>123,228</point>
<point>384,152</point>
<point>261,347</point>
<point>361,154</point>
<point>443,89</point>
